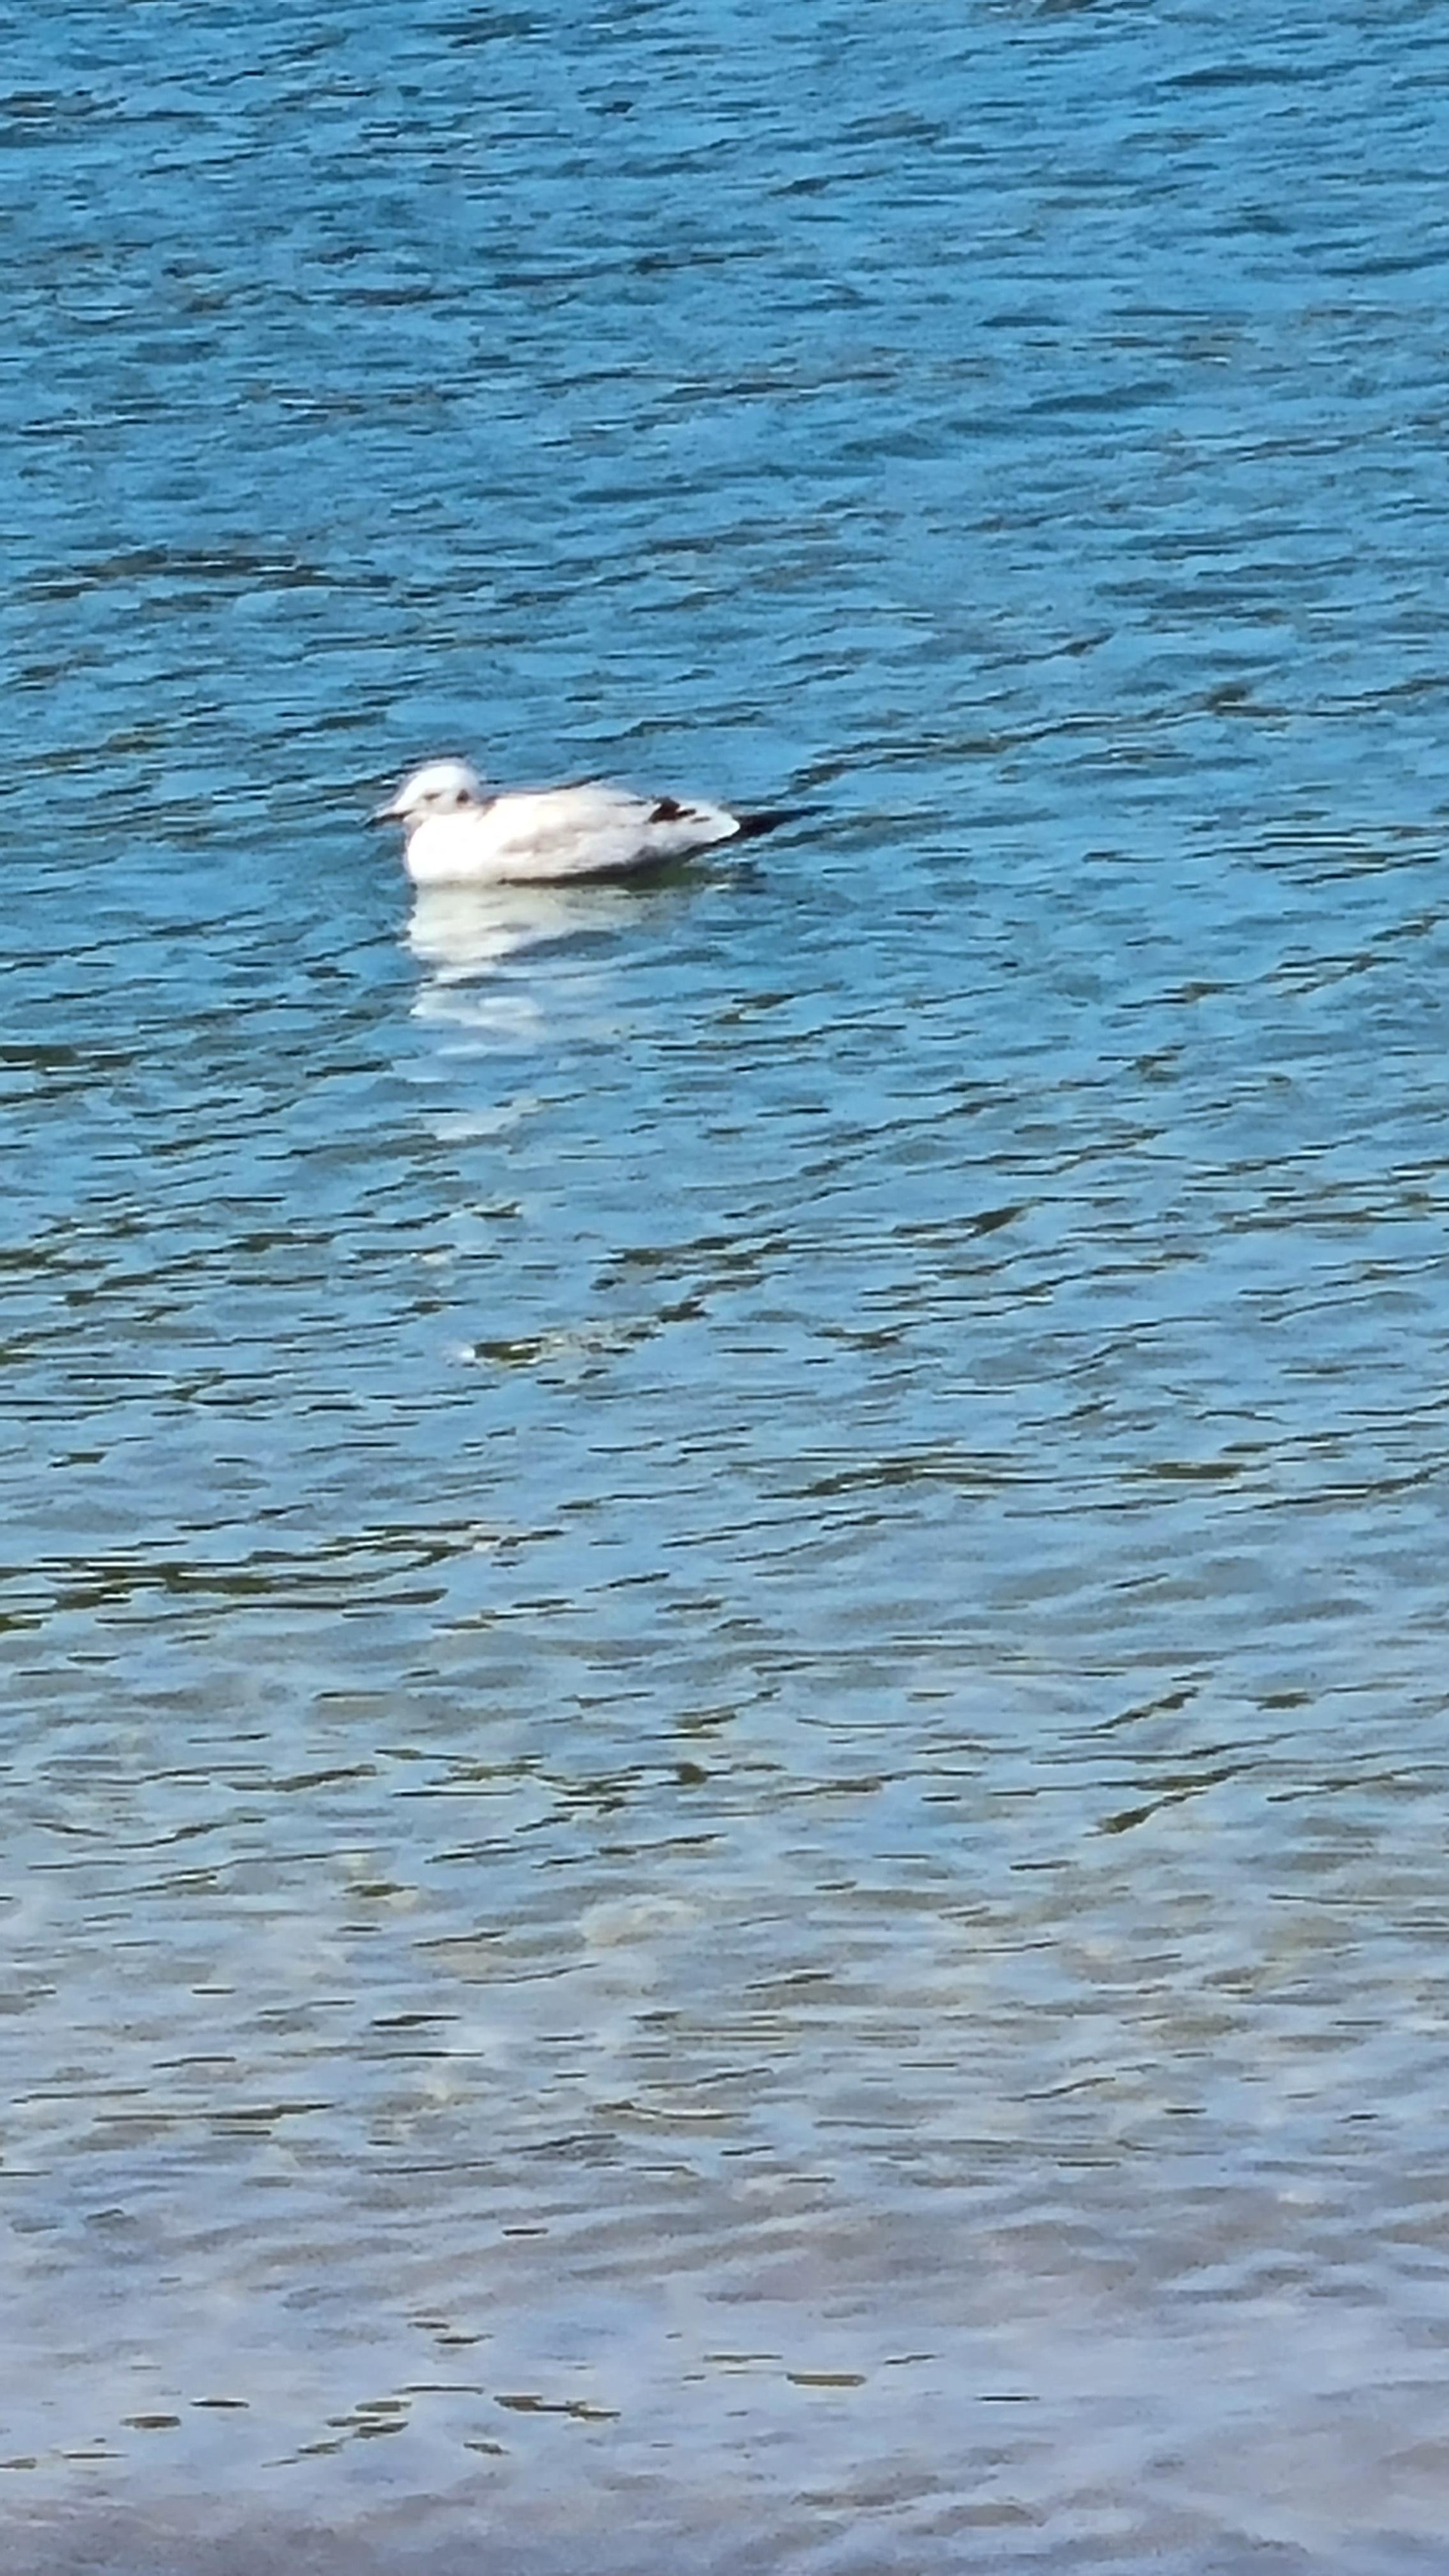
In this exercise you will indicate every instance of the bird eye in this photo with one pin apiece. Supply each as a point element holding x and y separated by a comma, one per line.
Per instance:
<point>460,795</point>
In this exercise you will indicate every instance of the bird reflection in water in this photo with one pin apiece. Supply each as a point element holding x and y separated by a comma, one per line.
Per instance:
<point>511,960</point>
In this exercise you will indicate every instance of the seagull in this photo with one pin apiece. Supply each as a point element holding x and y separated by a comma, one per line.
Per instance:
<point>457,831</point>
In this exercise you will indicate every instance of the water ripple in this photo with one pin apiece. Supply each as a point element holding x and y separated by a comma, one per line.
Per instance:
<point>722,1614</point>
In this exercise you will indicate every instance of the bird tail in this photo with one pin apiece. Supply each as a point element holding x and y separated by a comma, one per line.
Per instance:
<point>752,827</point>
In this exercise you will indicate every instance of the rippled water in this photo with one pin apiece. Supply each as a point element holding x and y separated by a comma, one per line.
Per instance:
<point>726,1760</point>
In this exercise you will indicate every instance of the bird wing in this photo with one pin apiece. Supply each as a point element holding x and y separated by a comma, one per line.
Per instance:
<point>596,830</point>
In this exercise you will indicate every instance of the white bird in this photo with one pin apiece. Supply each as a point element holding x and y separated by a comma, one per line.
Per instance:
<point>458,832</point>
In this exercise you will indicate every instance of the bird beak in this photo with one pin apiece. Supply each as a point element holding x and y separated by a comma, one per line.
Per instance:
<point>386,814</point>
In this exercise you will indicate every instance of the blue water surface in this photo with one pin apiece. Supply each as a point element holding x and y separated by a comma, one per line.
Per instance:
<point>726,1742</point>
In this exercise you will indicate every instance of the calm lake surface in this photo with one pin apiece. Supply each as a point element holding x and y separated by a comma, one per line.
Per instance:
<point>725,1703</point>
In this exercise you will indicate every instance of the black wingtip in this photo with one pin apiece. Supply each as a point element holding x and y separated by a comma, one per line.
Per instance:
<point>752,827</point>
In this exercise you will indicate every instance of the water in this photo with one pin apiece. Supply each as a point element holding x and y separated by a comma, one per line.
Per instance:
<point>726,1750</point>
